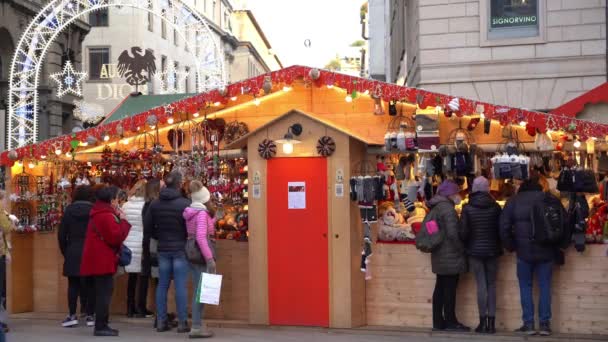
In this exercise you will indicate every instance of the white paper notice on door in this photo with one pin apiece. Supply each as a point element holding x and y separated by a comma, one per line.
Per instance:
<point>296,195</point>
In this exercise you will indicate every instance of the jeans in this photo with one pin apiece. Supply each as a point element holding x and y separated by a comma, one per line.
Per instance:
<point>104,285</point>
<point>139,301</point>
<point>485,270</point>
<point>197,307</point>
<point>172,265</point>
<point>525,275</point>
<point>444,301</point>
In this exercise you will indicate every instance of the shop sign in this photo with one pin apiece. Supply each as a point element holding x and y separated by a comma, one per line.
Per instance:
<point>513,13</point>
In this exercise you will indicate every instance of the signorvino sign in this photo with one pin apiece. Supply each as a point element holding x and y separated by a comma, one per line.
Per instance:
<point>514,21</point>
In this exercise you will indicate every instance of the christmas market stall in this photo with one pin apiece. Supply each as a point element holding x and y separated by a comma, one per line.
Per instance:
<point>322,180</point>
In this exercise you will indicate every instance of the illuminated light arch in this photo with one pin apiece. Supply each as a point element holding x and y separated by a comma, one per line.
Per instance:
<point>58,14</point>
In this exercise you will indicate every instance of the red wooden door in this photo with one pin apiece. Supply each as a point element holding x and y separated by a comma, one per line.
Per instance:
<point>298,280</point>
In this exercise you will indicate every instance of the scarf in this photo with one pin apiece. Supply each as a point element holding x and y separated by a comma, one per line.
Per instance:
<point>197,205</point>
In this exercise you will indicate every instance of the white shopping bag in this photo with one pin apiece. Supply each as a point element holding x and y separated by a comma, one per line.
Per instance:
<point>211,285</point>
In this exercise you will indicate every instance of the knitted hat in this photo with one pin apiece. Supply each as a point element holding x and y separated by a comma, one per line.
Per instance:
<point>447,188</point>
<point>481,184</point>
<point>201,196</point>
<point>199,193</point>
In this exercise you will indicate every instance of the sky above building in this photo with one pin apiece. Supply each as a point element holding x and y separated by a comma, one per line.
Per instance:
<point>330,25</point>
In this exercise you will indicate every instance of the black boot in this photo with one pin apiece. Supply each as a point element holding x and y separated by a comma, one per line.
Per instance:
<point>130,308</point>
<point>483,325</point>
<point>162,327</point>
<point>183,328</point>
<point>105,332</point>
<point>491,325</point>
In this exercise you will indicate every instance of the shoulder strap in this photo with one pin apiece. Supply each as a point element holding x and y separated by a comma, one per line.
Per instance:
<point>99,234</point>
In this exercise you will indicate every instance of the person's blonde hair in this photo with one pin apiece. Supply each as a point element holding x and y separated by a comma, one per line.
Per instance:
<point>138,189</point>
<point>195,186</point>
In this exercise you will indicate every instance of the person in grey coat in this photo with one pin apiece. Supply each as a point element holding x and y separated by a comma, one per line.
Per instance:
<point>449,259</point>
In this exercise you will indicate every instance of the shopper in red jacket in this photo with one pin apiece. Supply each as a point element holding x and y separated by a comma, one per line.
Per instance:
<point>106,232</point>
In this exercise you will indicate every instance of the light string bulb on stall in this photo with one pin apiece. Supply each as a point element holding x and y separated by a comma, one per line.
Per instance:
<point>577,143</point>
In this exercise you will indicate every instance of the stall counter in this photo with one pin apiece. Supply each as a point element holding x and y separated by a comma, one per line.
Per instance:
<point>401,290</point>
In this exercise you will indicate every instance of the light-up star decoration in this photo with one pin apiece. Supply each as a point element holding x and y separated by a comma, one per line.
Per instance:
<point>172,81</point>
<point>68,81</point>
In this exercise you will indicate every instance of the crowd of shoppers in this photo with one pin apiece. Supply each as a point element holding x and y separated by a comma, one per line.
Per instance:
<point>153,220</point>
<point>477,239</point>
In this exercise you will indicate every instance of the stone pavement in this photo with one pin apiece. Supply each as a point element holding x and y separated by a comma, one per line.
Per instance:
<point>41,330</point>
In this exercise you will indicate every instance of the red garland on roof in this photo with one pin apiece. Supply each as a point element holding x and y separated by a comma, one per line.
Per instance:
<point>386,91</point>
<point>573,107</point>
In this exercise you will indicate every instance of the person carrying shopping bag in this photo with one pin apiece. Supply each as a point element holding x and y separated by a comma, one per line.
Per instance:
<point>200,250</point>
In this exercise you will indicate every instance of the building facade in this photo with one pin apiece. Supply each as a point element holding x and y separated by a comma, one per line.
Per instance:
<point>115,30</point>
<point>534,54</point>
<point>55,116</point>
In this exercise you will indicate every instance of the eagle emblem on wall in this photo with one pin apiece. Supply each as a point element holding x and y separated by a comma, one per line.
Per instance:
<point>138,68</point>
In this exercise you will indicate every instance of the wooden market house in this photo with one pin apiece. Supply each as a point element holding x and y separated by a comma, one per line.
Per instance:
<point>302,262</point>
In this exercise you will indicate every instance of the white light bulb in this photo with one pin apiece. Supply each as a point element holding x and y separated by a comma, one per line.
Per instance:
<point>523,124</point>
<point>106,138</point>
<point>577,144</point>
<point>482,116</point>
<point>31,165</point>
<point>366,92</point>
<point>68,154</point>
<point>217,104</point>
<point>256,101</point>
<point>58,151</point>
<point>170,121</point>
<point>287,148</point>
<point>233,98</point>
<point>195,115</point>
<point>348,99</point>
<point>43,156</point>
<point>330,86</point>
<point>286,88</point>
<point>84,143</point>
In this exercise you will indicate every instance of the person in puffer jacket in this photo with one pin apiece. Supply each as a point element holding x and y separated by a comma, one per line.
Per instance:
<point>532,258</point>
<point>201,226</point>
<point>479,222</point>
<point>136,305</point>
<point>448,260</point>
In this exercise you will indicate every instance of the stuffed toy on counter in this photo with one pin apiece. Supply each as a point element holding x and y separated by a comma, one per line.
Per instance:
<point>391,226</point>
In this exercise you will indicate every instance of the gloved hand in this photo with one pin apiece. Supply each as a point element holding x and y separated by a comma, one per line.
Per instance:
<point>211,266</point>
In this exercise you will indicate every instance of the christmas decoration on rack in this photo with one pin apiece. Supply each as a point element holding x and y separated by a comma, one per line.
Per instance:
<point>68,80</point>
<point>234,131</point>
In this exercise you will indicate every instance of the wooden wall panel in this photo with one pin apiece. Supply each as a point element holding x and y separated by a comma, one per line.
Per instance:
<point>20,275</point>
<point>400,293</point>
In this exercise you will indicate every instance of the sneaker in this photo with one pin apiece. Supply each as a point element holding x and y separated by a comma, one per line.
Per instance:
<point>526,329</point>
<point>70,321</point>
<point>90,321</point>
<point>545,329</point>
<point>200,333</point>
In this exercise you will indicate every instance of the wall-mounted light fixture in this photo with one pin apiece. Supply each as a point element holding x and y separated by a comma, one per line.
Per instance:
<point>288,140</point>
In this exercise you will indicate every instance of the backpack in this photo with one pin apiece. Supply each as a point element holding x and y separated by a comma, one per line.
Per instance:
<point>548,220</point>
<point>430,236</point>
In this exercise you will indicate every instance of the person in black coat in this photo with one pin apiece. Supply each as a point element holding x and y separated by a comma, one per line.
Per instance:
<point>533,258</point>
<point>71,236</point>
<point>164,219</point>
<point>480,220</point>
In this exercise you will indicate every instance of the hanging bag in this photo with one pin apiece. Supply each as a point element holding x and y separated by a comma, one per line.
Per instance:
<point>430,236</point>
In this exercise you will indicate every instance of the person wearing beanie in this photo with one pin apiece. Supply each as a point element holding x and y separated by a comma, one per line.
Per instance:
<point>200,225</point>
<point>448,260</point>
<point>479,223</point>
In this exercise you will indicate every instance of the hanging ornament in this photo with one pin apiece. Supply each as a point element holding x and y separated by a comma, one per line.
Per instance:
<point>473,123</point>
<point>68,81</point>
<point>13,155</point>
<point>378,110</point>
<point>120,130</point>
<point>74,143</point>
<point>267,86</point>
<point>267,149</point>
<point>454,106</point>
<point>326,146</point>
<point>176,137</point>
<point>234,131</point>
<point>152,120</point>
<point>314,74</point>
<point>91,140</point>
<point>572,127</point>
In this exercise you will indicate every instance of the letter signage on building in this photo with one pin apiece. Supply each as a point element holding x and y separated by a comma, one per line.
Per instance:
<point>513,13</point>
